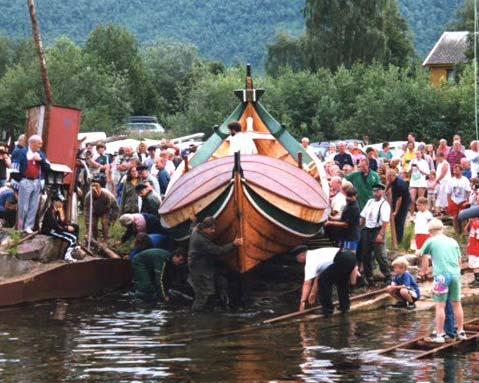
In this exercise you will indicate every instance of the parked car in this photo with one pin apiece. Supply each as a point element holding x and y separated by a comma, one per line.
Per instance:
<point>144,124</point>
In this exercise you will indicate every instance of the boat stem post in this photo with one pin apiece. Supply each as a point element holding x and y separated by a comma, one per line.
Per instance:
<point>300,160</point>
<point>237,174</point>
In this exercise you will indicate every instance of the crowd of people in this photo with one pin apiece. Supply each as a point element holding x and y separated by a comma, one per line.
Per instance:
<point>370,190</point>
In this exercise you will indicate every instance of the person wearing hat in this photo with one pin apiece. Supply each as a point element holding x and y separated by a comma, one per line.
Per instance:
<point>323,269</point>
<point>140,223</point>
<point>9,204</point>
<point>105,209</point>
<point>375,219</point>
<point>150,200</point>
<point>145,176</point>
<point>363,180</point>
<point>55,225</point>
<point>202,254</point>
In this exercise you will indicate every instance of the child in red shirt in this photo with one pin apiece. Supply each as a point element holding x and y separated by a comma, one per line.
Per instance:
<point>473,249</point>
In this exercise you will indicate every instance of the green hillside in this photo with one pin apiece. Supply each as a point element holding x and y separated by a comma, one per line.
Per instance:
<point>226,30</point>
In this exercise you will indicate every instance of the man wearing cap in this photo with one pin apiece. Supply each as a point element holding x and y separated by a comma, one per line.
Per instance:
<point>105,209</point>
<point>323,269</point>
<point>32,164</point>
<point>363,180</point>
<point>202,254</point>
<point>375,218</point>
<point>150,200</point>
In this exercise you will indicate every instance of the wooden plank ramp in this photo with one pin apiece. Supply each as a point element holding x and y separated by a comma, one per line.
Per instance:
<point>422,348</point>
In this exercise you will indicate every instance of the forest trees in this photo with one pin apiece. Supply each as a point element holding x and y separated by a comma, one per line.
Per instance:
<point>344,32</point>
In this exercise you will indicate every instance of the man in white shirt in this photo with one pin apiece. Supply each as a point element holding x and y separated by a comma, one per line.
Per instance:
<point>473,156</point>
<point>332,267</point>
<point>458,190</point>
<point>338,199</point>
<point>240,141</point>
<point>375,219</point>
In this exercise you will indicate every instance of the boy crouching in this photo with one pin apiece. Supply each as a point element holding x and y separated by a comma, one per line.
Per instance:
<point>403,286</point>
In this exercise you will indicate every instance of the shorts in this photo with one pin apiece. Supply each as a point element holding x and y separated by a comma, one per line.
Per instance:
<point>454,290</point>
<point>473,261</point>
<point>411,292</point>
<point>454,209</point>
<point>350,245</point>
<point>420,239</point>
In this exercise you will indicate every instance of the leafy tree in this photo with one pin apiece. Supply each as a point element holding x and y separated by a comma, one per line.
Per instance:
<point>343,32</point>
<point>285,51</point>
<point>171,66</point>
<point>116,49</point>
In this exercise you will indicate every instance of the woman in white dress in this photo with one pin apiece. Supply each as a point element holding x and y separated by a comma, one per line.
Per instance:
<point>417,180</point>
<point>443,173</point>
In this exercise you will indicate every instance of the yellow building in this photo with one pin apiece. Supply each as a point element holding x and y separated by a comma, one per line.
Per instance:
<point>449,51</point>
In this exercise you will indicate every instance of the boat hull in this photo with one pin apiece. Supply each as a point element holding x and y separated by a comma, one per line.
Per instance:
<point>271,205</point>
<point>67,280</point>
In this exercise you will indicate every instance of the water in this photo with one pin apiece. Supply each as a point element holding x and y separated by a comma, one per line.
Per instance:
<point>114,339</point>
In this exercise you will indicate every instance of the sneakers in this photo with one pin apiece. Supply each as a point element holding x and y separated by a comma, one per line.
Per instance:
<point>399,305</point>
<point>69,258</point>
<point>461,335</point>
<point>28,230</point>
<point>437,338</point>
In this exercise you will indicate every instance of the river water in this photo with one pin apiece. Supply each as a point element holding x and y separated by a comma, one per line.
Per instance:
<point>115,339</point>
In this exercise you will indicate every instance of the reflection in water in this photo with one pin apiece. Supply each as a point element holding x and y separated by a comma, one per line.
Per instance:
<point>111,339</point>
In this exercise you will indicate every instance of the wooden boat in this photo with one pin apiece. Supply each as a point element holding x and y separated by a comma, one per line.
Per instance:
<point>270,203</point>
<point>420,348</point>
<point>66,280</point>
<point>270,137</point>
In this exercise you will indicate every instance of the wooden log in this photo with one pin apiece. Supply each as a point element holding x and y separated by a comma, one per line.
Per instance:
<point>307,311</point>
<point>105,249</point>
<point>29,236</point>
<point>47,88</point>
<point>87,251</point>
<point>446,346</point>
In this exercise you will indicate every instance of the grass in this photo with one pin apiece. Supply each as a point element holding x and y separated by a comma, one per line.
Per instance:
<point>116,232</point>
<point>15,236</point>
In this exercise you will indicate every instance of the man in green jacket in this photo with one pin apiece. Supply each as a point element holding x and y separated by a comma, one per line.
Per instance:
<point>202,255</point>
<point>363,180</point>
<point>150,269</point>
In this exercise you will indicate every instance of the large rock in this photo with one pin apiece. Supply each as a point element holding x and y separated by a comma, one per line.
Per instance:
<point>10,266</point>
<point>42,248</point>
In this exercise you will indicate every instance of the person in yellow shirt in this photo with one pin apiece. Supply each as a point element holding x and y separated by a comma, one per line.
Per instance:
<point>409,155</point>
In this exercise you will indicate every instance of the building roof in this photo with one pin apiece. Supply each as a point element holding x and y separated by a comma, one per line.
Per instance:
<point>450,49</point>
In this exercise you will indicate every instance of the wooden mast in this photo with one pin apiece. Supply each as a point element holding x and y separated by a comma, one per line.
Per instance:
<point>43,70</point>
